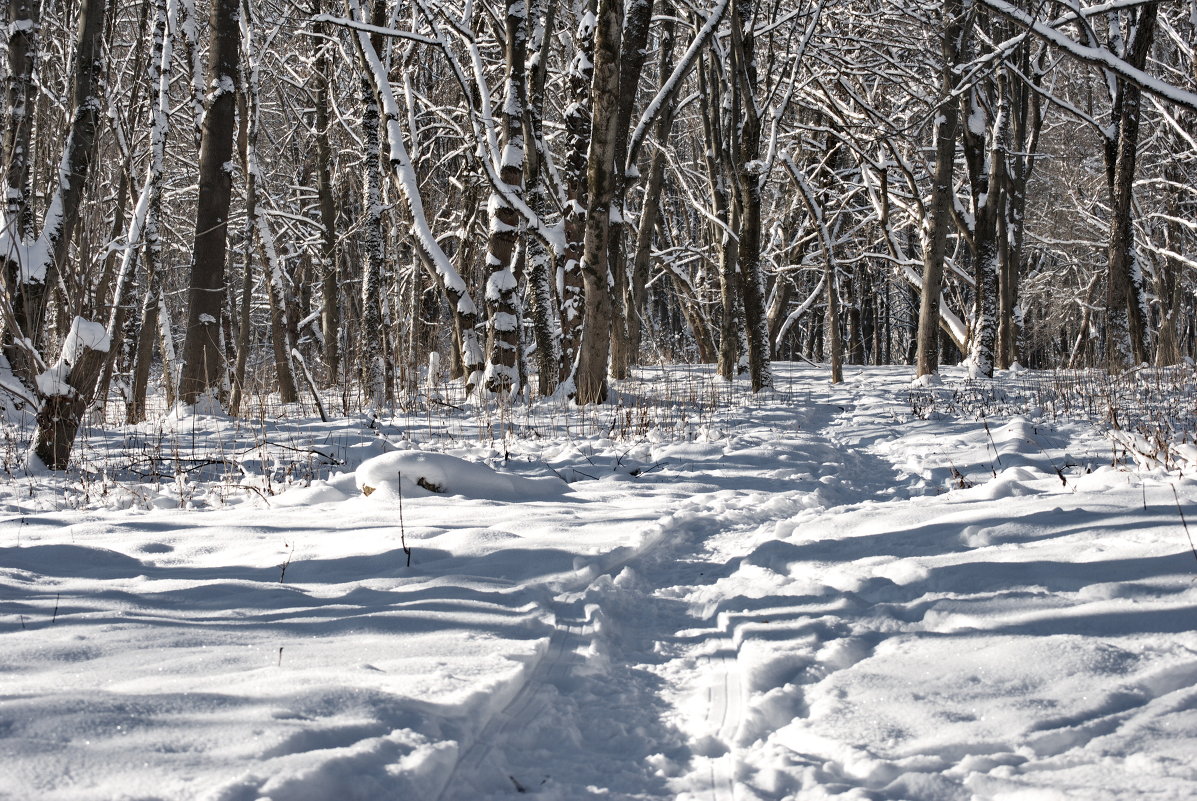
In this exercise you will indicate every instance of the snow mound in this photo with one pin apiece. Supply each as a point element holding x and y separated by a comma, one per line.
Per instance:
<point>419,474</point>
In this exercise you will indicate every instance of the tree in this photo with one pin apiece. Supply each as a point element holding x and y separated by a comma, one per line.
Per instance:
<point>67,387</point>
<point>590,372</point>
<point>942,192</point>
<point>502,373</point>
<point>203,370</point>
<point>1126,317</point>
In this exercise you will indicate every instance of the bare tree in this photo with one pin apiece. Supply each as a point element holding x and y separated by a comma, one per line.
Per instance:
<point>938,210</point>
<point>590,373</point>
<point>203,349</point>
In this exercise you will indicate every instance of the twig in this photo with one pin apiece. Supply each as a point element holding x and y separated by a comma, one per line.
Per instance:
<point>54,617</point>
<point>286,563</point>
<point>993,445</point>
<point>266,443</point>
<point>1184,522</point>
<point>402,529</point>
<point>307,378</point>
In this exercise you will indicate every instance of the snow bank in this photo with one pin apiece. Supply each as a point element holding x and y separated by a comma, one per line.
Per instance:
<point>418,474</point>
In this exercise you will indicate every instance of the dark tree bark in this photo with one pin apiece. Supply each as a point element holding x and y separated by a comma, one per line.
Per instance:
<point>203,355</point>
<point>1026,122</point>
<point>330,313</point>
<point>258,229</point>
<point>633,53</point>
<point>148,322</point>
<point>939,207</point>
<point>16,227</point>
<point>68,387</point>
<point>650,211</point>
<point>718,159</point>
<point>749,177</point>
<point>1126,323</point>
<point>372,370</point>
<point>984,158</point>
<point>546,319</point>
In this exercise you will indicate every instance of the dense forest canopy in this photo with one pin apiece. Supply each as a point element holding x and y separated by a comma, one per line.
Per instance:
<point>531,197</point>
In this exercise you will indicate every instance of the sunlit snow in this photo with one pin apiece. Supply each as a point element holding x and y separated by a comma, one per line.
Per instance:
<point>692,593</point>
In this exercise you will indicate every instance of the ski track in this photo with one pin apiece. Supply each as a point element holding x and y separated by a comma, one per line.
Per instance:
<point>702,640</point>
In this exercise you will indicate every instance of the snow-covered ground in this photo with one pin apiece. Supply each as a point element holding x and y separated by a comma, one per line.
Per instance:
<point>693,594</point>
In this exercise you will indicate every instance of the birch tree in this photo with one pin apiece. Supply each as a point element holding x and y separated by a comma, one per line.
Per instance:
<point>590,372</point>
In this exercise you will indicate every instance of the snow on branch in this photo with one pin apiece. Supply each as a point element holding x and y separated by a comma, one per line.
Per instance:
<point>1098,56</point>
<point>670,87</point>
<point>373,29</point>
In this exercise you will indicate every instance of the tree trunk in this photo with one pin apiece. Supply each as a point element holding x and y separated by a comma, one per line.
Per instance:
<point>650,209</point>
<point>984,157</point>
<point>330,313</point>
<point>16,225</point>
<point>695,319</point>
<point>203,354</point>
<point>1126,334</point>
<point>259,229</point>
<point>717,157</point>
<point>578,119</point>
<point>372,371</point>
<point>135,410</point>
<point>433,255</point>
<point>834,342</point>
<point>633,52</point>
<point>68,387</point>
<point>852,303</point>
<point>546,320</point>
<point>502,290</point>
<point>160,73</point>
<point>749,177</point>
<point>590,375</point>
<point>1026,121</point>
<point>938,210</point>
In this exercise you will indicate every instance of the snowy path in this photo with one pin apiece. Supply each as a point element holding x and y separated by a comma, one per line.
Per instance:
<point>824,598</point>
<point>642,670</point>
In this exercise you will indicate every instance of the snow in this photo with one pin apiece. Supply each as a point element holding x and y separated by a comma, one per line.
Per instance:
<point>977,121</point>
<point>512,154</point>
<point>1097,55</point>
<point>855,591</point>
<point>53,380</point>
<point>83,335</point>
<point>31,258</point>
<point>499,283</point>
<point>504,321</point>
<point>412,473</point>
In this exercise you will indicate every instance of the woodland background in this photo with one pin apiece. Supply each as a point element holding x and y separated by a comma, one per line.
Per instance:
<point>226,200</point>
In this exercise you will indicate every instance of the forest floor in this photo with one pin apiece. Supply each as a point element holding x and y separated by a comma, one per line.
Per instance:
<point>972,590</point>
